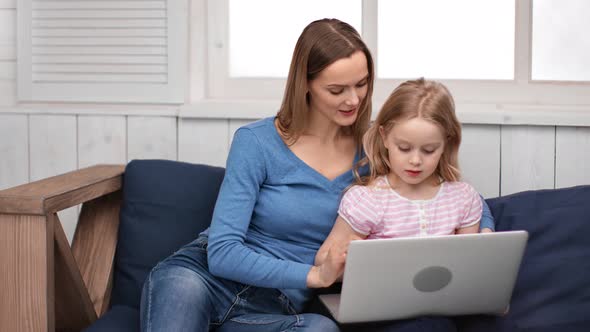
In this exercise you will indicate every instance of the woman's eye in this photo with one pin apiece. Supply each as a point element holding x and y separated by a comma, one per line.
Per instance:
<point>335,92</point>
<point>361,84</point>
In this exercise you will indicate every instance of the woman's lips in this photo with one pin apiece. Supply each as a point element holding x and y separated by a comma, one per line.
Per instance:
<point>348,112</point>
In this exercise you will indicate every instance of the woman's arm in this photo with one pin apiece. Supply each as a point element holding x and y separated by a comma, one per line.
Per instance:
<point>228,256</point>
<point>487,222</point>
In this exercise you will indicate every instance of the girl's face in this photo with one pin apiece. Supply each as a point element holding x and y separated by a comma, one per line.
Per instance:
<point>338,90</point>
<point>415,147</point>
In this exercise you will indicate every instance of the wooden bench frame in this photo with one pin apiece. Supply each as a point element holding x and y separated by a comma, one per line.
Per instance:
<point>45,284</point>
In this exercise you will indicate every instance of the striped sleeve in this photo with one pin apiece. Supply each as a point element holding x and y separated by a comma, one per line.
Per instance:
<point>359,209</point>
<point>472,209</point>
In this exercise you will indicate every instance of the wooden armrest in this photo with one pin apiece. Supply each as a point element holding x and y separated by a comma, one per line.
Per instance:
<point>63,191</point>
<point>49,285</point>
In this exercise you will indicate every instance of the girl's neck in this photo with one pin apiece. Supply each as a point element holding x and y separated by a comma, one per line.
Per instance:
<point>424,190</point>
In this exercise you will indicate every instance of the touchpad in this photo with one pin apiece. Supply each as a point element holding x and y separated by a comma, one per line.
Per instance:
<point>432,278</point>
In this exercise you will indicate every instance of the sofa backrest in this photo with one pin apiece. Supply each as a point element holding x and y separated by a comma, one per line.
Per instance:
<point>552,291</point>
<point>166,204</point>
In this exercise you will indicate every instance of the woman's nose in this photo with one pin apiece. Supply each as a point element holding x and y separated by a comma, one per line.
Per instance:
<point>352,98</point>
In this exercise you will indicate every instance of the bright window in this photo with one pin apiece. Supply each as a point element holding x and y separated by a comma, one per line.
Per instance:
<point>561,47</point>
<point>453,39</point>
<point>261,45</point>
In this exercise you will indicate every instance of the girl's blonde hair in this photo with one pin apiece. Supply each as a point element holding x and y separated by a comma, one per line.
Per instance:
<point>419,98</point>
<point>320,44</point>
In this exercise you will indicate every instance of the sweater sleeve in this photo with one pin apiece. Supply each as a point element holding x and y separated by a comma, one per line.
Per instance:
<point>228,256</point>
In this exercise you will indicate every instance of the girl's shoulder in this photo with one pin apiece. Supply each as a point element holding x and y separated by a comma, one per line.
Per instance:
<point>370,189</point>
<point>459,187</point>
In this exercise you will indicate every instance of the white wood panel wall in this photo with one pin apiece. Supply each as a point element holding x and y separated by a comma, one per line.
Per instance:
<point>528,158</point>
<point>14,150</point>
<point>53,150</point>
<point>151,137</point>
<point>203,141</point>
<point>496,160</point>
<point>479,158</point>
<point>572,156</point>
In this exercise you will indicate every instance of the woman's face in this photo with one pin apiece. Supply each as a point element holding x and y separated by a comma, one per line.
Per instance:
<point>338,90</point>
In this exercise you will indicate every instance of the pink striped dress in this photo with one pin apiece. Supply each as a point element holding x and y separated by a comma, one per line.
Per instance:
<point>380,212</point>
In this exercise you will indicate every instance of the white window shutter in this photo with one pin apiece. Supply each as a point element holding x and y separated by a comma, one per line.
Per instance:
<point>102,50</point>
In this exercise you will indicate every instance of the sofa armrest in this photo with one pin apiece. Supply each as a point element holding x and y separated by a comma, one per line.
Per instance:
<point>49,284</point>
<point>63,191</point>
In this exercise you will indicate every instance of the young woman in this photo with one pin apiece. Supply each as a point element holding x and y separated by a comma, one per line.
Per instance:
<point>253,270</point>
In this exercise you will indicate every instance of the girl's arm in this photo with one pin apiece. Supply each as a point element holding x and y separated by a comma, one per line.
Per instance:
<point>340,236</point>
<point>469,229</point>
<point>330,258</point>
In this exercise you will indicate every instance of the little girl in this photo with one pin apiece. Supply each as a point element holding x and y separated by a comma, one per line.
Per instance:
<point>413,186</point>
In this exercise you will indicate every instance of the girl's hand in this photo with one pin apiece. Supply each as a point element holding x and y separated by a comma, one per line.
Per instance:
<point>486,230</point>
<point>330,270</point>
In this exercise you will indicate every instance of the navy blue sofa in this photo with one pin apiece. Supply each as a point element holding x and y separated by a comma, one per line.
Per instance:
<point>167,203</point>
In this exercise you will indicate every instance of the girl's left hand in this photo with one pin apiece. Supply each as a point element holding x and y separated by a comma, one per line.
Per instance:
<point>486,230</point>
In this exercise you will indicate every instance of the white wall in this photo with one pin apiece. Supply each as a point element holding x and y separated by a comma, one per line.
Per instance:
<point>498,159</point>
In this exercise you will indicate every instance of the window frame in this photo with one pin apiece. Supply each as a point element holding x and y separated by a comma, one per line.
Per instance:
<point>469,94</point>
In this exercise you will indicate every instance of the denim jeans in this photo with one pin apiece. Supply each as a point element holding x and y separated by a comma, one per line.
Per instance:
<point>180,294</point>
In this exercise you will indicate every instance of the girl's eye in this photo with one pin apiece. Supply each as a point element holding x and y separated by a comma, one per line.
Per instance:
<point>403,149</point>
<point>428,151</point>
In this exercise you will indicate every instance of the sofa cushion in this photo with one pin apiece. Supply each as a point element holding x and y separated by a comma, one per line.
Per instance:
<point>552,291</point>
<point>166,204</point>
<point>119,318</point>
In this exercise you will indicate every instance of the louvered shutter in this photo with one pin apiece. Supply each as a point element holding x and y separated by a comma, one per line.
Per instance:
<point>102,50</point>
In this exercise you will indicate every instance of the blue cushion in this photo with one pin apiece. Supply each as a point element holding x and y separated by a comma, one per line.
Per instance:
<point>552,291</point>
<point>166,204</point>
<point>118,319</point>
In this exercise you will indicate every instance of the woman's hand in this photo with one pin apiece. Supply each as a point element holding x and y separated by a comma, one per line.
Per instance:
<point>331,268</point>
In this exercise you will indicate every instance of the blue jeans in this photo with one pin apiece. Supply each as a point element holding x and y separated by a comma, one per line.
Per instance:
<point>180,294</point>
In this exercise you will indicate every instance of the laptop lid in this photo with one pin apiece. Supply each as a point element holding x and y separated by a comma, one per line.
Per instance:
<point>399,278</point>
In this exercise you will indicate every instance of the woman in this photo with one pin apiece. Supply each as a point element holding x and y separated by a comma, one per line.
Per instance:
<point>253,269</point>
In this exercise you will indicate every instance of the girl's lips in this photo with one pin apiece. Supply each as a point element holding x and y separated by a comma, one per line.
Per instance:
<point>413,173</point>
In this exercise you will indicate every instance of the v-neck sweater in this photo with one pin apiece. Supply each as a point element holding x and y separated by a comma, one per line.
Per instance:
<point>272,214</point>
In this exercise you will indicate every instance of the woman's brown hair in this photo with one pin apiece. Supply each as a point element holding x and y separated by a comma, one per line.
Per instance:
<point>320,44</point>
<point>421,98</point>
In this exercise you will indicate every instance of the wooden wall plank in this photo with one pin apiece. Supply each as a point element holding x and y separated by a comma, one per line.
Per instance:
<point>151,138</point>
<point>527,158</point>
<point>7,4</point>
<point>14,150</point>
<point>203,141</point>
<point>101,140</point>
<point>572,156</point>
<point>53,151</point>
<point>7,93</point>
<point>479,158</point>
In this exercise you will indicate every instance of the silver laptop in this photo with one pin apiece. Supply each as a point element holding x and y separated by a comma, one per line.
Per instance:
<point>438,275</point>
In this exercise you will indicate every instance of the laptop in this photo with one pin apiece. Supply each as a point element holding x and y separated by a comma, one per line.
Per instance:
<point>389,279</point>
